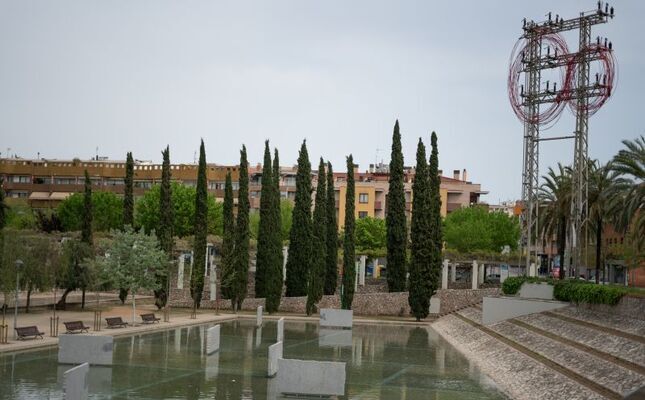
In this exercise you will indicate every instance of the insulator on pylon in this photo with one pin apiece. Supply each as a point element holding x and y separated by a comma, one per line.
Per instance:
<point>557,18</point>
<point>606,8</point>
<point>599,5</point>
<point>547,86</point>
<point>611,11</point>
<point>548,51</point>
<point>522,90</point>
<point>556,52</point>
<point>598,40</point>
<point>604,79</point>
<point>555,87</point>
<point>610,46</point>
<point>597,78</point>
<point>524,23</point>
<point>549,16</point>
<point>605,42</point>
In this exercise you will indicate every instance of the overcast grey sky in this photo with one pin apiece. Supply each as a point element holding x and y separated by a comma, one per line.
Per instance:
<point>137,75</point>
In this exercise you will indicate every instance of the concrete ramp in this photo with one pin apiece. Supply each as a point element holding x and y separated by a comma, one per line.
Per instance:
<point>496,309</point>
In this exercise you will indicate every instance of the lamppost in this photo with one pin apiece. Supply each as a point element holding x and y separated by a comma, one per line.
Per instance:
<point>19,264</point>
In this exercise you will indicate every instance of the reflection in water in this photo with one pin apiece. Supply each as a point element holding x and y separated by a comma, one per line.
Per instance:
<point>388,362</point>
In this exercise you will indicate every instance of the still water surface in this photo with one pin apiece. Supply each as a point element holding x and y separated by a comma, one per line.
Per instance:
<point>383,362</point>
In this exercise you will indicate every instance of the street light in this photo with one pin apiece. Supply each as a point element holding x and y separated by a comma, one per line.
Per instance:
<point>19,264</point>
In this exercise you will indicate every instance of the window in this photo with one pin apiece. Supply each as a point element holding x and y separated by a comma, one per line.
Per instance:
<point>20,179</point>
<point>363,198</point>
<point>143,184</point>
<point>65,181</point>
<point>362,214</point>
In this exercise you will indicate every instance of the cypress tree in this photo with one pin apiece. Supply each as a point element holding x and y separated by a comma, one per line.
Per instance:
<point>3,206</point>
<point>201,230</point>
<point>228,242</point>
<point>266,228</point>
<point>128,196</point>
<point>166,222</point>
<point>421,239</point>
<point>435,217</point>
<point>299,257</point>
<point>274,272</point>
<point>349,256</point>
<point>331,269</point>
<point>86,229</point>
<point>319,243</point>
<point>395,219</point>
<point>241,254</point>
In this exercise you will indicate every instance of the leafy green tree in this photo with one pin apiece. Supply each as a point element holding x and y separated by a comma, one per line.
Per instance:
<point>395,219</point>
<point>421,239</point>
<point>331,268</point>
<point>39,254</point>
<point>299,256</point>
<point>128,194</point>
<point>434,214</point>
<point>474,229</point>
<point>86,227</point>
<point>371,234</point>
<point>242,236</point>
<point>75,269</point>
<point>133,261</point>
<point>148,211</point>
<point>107,212</point>
<point>20,216</point>
<point>166,222</point>
<point>266,228</point>
<point>228,242</point>
<point>319,244</point>
<point>201,230</point>
<point>274,271</point>
<point>349,256</point>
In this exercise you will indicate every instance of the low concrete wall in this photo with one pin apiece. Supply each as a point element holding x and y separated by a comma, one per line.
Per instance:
<point>78,349</point>
<point>496,309</point>
<point>317,378</point>
<point>336,318</point>
<point>542,291</point>
<point>628,306</point>
<point>75,386</point>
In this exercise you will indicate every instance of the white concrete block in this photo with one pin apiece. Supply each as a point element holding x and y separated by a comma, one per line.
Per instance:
<point>280,336</point>
<point>542,291</point>
<point>337,318</point>
<point>75,382</point>
<point>258,337</point>
<point>496,309</point>
<point>435,305</point>
<point>258,316</point>
<point>318,378</point>
<point>212,280</point>
<point>212,339</point>
<point>474,275</point>
<point>329,337</point>
<point>275,353</point>
<point>444,274</point>
<point>78,349</point>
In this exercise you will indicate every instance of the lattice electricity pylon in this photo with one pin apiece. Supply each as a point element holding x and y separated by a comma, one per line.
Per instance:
<point>541,47</point>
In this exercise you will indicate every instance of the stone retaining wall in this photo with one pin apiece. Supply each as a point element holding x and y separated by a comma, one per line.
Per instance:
<point>367,304</point>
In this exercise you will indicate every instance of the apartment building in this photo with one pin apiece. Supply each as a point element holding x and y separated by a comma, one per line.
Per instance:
<point>45,183</point>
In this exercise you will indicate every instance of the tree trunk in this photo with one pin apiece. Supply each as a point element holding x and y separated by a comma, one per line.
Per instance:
<point>133,307</point>
<point>83,300</point>
<point>29,289</point>
<point>598,246</point>
<point>61,305</point>
<point>123,295</point>
<point>562,242</point>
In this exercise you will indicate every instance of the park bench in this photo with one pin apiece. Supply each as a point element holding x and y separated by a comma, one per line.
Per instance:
<point>75,327</point>
<point>115,322</point>
<point>28,331</point>
<point>149,318</point>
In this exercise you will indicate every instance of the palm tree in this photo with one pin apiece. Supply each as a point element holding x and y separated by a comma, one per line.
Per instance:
<point>604,202</point>
<point>555,207</point>
<point>629,163</point>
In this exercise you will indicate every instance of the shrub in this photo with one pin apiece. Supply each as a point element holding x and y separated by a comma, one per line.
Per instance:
<point>513,284</point>
<point>577,291</point>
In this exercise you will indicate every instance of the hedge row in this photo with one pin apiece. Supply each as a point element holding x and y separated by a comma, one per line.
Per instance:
<point>577,291</point>
<point>570,290</point>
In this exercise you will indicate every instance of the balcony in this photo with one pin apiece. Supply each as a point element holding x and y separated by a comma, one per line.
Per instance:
<point>378,206</point>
